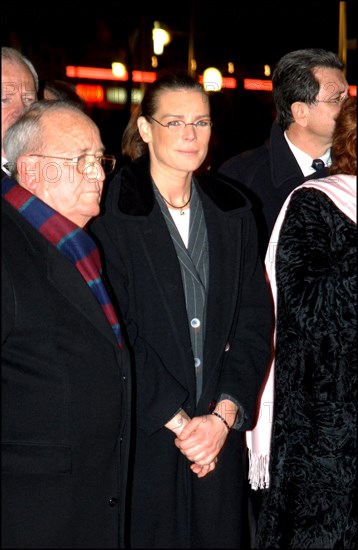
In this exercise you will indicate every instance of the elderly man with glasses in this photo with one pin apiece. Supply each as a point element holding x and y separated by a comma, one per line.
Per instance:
<point>65,367</point>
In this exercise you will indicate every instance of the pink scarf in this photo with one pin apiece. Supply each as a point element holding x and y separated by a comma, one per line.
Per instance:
<point>342,190</point>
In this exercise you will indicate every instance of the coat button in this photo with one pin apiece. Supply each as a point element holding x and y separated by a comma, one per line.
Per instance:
<point>113,502</point>
<point>227,347</point>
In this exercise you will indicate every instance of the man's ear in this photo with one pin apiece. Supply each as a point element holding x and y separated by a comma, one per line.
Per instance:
<point>300,112</point>
<point>144,128</point>
<point>29,172</point>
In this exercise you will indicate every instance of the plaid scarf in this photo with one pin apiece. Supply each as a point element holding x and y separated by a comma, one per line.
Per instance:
<point>68,238</point>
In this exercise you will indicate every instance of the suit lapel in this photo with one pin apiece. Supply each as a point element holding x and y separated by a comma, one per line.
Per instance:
<point>160,251</point>
<point>225,238</point>
<point>69,282</point>
<point>62,274</point>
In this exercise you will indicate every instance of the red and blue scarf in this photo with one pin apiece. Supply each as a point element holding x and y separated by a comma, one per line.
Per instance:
<point>69,239</point>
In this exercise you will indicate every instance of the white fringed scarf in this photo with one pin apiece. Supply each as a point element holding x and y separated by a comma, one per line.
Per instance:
<point>342,190</point>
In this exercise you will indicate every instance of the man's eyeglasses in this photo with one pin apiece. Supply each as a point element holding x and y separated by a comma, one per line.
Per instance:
<point>107,162</point>
<point>177,125</point>
<point>335,100</point>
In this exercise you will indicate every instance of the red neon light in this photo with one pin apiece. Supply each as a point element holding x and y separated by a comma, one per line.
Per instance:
<point>93,73</point>
<point>90,93</point>
<point>227,81</point>
<point>258,85</point>
<point>266,86</point>
<point>143,76</point>
<point>96,73</point>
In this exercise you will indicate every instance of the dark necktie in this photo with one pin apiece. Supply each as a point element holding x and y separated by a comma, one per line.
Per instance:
<point>317,164</point>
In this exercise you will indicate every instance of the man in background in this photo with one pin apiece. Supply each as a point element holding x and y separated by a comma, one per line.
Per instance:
<point>308,88</point>
<point>19,87</point>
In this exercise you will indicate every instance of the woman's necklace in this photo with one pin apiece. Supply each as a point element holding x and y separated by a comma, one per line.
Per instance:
<point>181,208</point>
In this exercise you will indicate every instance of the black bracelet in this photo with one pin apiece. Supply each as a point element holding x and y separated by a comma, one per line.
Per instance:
<point>222,420</point>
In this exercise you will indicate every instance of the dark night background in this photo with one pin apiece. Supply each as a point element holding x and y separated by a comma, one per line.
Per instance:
<point>248,33</point>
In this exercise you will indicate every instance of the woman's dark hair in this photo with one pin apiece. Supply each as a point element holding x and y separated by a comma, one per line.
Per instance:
<point>132,144</point>
<point>294,80</point>
<point>344,145</point>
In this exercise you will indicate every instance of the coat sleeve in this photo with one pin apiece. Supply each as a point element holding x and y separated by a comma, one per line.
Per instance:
<point>247,361</point>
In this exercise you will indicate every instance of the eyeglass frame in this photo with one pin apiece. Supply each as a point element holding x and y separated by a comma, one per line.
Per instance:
<point>76,160</point>
<point>182,124</point>
<point>336,101</point>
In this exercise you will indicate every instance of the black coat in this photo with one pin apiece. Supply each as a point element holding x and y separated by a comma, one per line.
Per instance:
<point>64,401</point>
<point>312,498</point>
<point>171,507</point>
<point>267,174</point>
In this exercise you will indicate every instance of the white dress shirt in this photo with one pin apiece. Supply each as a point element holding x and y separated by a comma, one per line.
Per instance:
<point>305,161</point>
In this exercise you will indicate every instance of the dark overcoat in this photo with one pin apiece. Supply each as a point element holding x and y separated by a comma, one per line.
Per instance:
<point>268,174</point>
<point>312,498</point>
<point>64,401</point>
<point>171,507</point>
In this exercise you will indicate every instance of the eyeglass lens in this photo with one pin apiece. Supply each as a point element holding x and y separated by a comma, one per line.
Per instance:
<point>107,163</point>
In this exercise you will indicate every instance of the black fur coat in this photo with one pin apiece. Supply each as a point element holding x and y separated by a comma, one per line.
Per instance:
<point>312,499</point>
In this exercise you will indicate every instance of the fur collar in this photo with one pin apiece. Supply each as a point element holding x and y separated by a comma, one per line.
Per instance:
<point>136,196</point>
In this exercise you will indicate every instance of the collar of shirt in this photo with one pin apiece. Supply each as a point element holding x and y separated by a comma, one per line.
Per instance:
<point>305,161</point>
<point>3,168</point>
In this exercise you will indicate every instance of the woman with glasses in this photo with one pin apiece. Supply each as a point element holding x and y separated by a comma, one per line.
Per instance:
<point>180,250</point>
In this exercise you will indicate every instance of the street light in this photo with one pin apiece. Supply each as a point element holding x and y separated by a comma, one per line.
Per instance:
<point>160,38</point>
<point>119,69</point>
<point>267,70</point>
<point>212,79</point>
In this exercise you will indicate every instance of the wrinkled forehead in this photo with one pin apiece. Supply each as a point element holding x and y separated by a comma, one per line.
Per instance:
<point>67,126</point>
<point>15,70</point>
